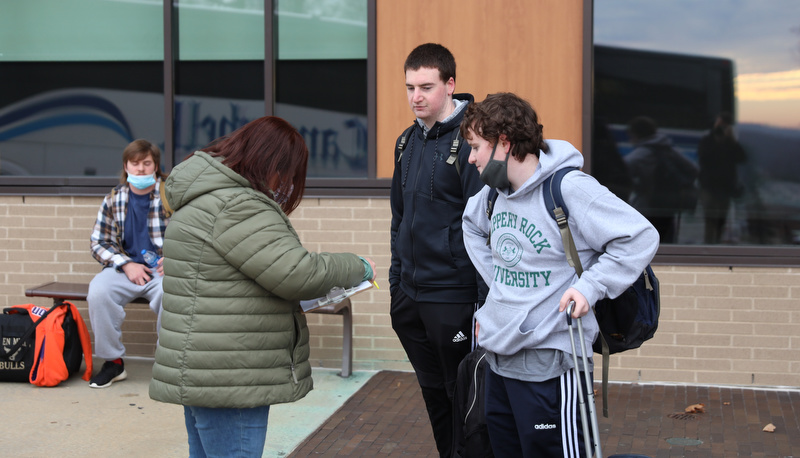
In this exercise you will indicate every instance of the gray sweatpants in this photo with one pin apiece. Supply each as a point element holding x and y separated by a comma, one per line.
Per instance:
<point>109,292</point>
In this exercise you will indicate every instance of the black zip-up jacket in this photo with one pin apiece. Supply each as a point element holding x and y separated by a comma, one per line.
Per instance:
<point>429,261</point>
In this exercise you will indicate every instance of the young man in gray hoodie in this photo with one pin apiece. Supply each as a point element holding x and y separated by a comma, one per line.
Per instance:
<point>531,387</point>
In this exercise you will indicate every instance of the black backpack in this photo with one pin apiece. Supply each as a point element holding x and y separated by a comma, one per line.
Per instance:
<point>626,321</point>
<point>470,435</point>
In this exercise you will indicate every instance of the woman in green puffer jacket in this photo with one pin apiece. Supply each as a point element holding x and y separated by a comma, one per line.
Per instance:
<point>233,340</point>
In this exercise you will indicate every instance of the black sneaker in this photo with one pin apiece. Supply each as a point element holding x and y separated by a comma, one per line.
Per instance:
<point>111,372</point>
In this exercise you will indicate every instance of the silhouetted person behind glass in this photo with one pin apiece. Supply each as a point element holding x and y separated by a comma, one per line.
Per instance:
<point>607,164</point>
<point>660,176</point>
<point>719,154</point>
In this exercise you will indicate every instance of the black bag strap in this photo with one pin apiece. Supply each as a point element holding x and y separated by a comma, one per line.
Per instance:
<point>554,201</point>
<point>5,355</point>
<point>453,158</point>
<point>490,200</point>
<point>402,142</point>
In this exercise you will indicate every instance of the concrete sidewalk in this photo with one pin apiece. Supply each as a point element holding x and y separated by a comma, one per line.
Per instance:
<point>387,418</point>
<point>73,420</point>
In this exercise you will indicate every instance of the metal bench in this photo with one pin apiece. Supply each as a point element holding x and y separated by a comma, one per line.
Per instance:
<point>61,292</point>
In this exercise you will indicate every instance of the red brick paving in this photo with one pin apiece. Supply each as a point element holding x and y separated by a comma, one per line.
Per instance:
<point>387,417</point>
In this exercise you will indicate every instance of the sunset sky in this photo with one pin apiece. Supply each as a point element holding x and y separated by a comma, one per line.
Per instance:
<point>762,37</point>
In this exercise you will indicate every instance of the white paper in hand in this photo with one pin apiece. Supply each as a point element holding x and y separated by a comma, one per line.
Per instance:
<point>335,295</point>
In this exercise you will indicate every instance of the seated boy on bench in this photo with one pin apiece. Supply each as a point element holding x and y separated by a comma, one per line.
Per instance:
<point>131,221</point>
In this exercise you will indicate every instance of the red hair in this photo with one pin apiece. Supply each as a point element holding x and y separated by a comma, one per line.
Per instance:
<point>270,154</point>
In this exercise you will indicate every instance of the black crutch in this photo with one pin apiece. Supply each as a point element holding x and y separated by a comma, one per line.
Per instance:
<point>592,413</point>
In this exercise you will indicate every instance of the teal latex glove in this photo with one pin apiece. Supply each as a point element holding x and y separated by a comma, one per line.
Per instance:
<point>367,269</point>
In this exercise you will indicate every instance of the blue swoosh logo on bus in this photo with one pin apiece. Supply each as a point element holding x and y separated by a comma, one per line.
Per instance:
<point>65,120</point>
<point>109,113</point>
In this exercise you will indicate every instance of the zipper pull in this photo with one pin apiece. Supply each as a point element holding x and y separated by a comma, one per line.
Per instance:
<point>647,283</point>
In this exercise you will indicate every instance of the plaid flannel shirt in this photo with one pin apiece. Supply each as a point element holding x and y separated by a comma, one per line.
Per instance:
<point>108,233</point>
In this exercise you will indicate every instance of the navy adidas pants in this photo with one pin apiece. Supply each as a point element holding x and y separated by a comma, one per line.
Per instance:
<point>436,337</point>
<point>534,419</point>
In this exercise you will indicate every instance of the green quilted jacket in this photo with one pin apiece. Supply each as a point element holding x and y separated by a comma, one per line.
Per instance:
<point>232,334</point>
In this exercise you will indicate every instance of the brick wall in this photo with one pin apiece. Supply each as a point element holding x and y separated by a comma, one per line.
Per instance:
<point>737,326</point>
<point>718,325</point>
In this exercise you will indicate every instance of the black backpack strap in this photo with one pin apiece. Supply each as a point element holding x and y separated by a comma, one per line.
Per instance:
<point>554,202</point>
<point>552,195</point>
<point>453,158</point>
<point>402,142</point>
<point>490,200</point>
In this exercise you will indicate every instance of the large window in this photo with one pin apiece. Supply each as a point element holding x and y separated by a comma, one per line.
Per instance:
<point>321,81</point>
<point>78,81</point>
<point>720,82</point>
<point>219,70</point>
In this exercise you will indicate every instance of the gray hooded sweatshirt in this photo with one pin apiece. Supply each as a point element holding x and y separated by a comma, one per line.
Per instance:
<point>526,268</point>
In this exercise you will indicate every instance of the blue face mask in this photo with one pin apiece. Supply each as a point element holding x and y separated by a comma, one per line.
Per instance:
<point>142,181</point>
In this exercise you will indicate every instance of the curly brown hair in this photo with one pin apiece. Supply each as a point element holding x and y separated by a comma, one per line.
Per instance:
<point>506,114</point>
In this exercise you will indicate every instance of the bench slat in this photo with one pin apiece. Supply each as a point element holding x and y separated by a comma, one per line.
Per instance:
<point>67,291</point>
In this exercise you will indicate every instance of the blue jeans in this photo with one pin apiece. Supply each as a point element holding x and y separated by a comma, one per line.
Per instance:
<point>226,432</point>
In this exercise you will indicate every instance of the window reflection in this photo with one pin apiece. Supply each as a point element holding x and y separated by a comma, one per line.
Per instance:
<point>723,89</point>
<point>74,93</point>
<point>219,74</point>
<point>321,81</point>
<point>81,79</point>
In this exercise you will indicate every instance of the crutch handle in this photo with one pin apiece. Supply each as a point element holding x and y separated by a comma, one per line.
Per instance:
<point>570,306</point>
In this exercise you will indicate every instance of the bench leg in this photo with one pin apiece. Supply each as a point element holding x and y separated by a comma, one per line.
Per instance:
<point>347,342</point>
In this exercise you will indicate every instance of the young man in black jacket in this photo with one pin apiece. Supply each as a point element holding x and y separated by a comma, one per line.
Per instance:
<point>435,289</point>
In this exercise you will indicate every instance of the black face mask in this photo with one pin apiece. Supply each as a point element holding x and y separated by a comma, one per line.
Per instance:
<point>495,174</point>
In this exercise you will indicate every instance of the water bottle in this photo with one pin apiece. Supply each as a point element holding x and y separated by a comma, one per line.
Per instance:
<point>150,258</point>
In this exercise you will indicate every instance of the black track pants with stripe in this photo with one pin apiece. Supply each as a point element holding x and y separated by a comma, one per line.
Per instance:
<point>436,337</point>
<point>534,419</point>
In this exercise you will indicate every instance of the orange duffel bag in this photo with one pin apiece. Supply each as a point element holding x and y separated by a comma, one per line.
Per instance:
<point>43,346</point>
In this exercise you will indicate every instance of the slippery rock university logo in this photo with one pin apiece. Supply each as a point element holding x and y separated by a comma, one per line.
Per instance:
<point>509,249</point>
<point>515,234</point>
